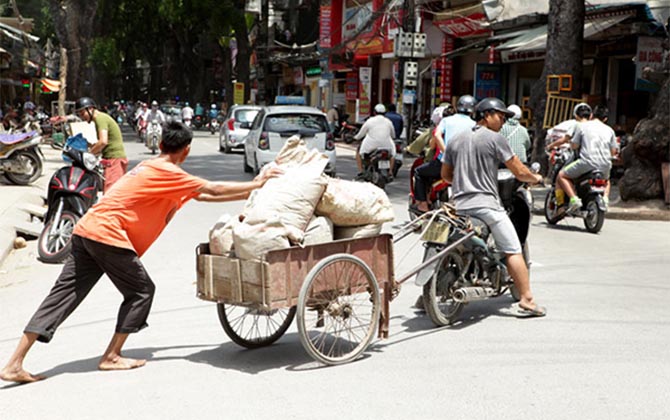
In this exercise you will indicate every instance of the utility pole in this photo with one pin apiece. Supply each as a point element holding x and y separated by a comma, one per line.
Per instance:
<point>63,81</point>
<point>263,53</point>
<point>406,63</point>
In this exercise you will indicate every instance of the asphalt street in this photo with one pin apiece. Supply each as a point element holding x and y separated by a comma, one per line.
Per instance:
<point>600,353</point>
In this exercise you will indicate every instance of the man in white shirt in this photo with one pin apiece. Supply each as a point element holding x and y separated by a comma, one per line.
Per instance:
<point>377,133</point>
<point>155,113</point>
<point>187,114</point>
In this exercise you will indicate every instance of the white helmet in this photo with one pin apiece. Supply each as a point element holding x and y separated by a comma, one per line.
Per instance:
<point>380,108</point>
<point>436,116</point>
<point>516,110</point>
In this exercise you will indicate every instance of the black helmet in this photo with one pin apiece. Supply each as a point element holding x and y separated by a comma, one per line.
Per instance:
<point>491,104</point>
<point>85,103</point>
<point>466,104</point>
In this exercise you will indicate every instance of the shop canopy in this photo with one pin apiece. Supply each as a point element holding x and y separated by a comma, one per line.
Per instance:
<point>51,85</point>
<point>534,41</point>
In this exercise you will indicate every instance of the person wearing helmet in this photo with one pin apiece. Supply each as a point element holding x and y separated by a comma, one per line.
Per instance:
<point>471,163</point>
<point>396,119</point>
<point>449,126</point>
<point>112,237</point>
<point>377,133</point>
<point>187,114</point>
<point>110,141</point>
<point>155,113</point>
<point>516,134</point>
<point>597,144</point>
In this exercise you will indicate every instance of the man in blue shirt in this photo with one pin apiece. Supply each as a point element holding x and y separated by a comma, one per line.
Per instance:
<point>396,119</point>
<point>448,128</point>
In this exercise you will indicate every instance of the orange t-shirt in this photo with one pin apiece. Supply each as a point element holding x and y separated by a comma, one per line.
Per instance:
<point>135,212</point>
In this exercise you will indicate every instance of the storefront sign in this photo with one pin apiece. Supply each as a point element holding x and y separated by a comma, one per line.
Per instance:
<point>313,71</point>
<point>364,92</point>
<point>351,86</point>
<point>356,14</point>
<point>238,93</point>
<point>464,27</point>
<point>325,27</point>
<point>648,61</point>
<point>446,70</point>
<point>517,56</point>
<point>298,78</point>
<point>488,81</point>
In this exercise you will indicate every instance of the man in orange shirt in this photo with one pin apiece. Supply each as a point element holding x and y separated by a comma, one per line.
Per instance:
<point>111,238</point>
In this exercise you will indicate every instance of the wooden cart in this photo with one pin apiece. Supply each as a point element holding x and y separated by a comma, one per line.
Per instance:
<point>339,290</point>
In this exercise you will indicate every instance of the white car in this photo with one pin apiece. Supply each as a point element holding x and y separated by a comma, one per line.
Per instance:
<point>236,127</point>
<point>276,124</point>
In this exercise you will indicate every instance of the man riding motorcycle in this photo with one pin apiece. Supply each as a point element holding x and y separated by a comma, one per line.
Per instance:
<point>187,114</point>
<point>471,163</point>
<point>448,127</point>
<point>377,133</point>
<point>155,113</point>
<point>597,144</point>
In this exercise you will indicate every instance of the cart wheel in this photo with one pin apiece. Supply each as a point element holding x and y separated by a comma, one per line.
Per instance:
<point>338,309</point>
<point>254,328</point>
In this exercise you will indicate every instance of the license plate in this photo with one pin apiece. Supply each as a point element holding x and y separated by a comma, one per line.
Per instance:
<point>384,164</point>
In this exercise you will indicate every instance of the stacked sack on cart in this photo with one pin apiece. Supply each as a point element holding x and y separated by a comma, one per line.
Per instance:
<point>299,208</point>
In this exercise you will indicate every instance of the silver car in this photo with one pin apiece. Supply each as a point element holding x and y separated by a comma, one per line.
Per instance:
<point>276,124</point>
<point>236,127</point>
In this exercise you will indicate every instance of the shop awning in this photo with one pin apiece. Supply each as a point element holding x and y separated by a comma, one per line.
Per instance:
<point>51,85</point>
<point>536,39</point>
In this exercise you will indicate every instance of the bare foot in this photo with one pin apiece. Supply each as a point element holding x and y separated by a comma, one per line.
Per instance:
<point>19,376</point>
<point>121,363</point>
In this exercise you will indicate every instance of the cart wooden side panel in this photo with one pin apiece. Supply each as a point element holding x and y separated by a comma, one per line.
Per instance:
<point>275,282</point>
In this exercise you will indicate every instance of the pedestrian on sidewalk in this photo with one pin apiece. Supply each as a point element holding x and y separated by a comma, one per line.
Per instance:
<point>111,238</point>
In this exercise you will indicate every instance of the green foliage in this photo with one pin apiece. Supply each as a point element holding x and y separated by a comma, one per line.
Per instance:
<point>105,56</point>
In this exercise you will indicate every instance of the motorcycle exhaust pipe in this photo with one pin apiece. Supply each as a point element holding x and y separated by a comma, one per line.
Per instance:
<point>471,294</point>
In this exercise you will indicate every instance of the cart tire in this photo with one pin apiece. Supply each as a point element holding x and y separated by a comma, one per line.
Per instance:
<point>338,309</point>
<point>253,328</point>
<point>437,293</point>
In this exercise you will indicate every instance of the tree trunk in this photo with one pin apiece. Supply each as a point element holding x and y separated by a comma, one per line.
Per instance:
<point>243,53</point>
<point>73,23</point>
<point>649,148</point>
<point>565,38</point>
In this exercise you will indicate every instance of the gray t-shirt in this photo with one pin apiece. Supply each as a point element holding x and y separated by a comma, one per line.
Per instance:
<point>595,140</point>
<point>475,156</point>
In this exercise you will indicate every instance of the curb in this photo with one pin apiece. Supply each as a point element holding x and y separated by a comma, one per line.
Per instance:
<point>15,214</point>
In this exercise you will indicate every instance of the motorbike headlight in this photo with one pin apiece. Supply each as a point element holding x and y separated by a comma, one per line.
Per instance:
<point>90,161</point>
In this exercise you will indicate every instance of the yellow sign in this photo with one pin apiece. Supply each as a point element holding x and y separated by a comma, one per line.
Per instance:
<point>238,94</point>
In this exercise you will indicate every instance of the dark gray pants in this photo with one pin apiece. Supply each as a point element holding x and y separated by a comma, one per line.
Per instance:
<point>82,270</point>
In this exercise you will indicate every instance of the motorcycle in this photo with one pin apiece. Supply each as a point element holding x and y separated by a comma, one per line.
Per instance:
<point>590,188</point>
<point>153,136</point>
<point>21,160</point>
<point>438,193</point>
<point>473,269</point>
<point>72,190</point>
<point>376,168</point>
<point>347,131</point>
<point>142,130</point>
<point>399,156</point>
<point>198,122</point>
<point>214,126</point>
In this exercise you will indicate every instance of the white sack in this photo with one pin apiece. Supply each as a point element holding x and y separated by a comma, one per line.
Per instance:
<point>356,232</point>
<point>319,231</point>
<point>296,153</point>
<point>221,235</point>
<point>291,197</point>
<point>350,203</point>
<point>252,241</point>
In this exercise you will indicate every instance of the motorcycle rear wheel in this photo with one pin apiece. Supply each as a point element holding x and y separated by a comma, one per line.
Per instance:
<point>437,293</point>
<point>594,219</point>
<point>53,249</point>
<point>32,161</point>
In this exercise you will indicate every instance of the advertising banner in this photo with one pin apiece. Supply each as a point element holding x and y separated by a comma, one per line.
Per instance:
<point>648,61</point>
<point>364,91</point>
<point>488,81</point>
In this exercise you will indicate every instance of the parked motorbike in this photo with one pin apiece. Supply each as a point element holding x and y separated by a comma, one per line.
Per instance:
<point>474,269</point>
<point>72,190</point>
<point>21,160</point>
<point>347,131</point>
<point>438,193</point>
<point>154,136</point>
<point>376,168</point>
<point>590,188</point>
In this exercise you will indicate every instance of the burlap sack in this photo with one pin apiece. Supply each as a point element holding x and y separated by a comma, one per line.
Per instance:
<point>356,232</point>
<point>296,153</point>
<point>221,235</point>
<point>291,197</point>
<point>319,231</point>
<point>349,203</point>
<point>252,241</point>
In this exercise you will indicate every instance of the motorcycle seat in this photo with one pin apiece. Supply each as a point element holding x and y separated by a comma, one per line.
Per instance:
<point>10,139</point>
